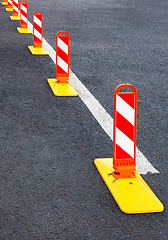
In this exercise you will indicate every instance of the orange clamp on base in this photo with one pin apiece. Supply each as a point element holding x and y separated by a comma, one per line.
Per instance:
<point>61,86</point>
<point>37,49</point>
<point>128,188</point>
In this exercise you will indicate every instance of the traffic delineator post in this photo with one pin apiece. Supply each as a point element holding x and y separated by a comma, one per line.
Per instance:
<point>10,6</point>
<point>15,10</point>
<point>37,49</point>
<point>5,2</point>
<point>61,85</point>
<point>124,134</point>
<point>23,18</point>
<point>129,190</point>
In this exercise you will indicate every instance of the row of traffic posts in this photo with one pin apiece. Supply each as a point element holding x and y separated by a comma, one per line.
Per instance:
<point>130,191</point>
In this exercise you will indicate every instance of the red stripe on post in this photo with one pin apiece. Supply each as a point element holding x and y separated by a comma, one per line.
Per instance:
<point>125,126</point>
<point>128,97</point>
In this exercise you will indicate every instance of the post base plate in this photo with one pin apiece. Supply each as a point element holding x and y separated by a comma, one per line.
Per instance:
<point>132,195</point>
<point>61,89</point>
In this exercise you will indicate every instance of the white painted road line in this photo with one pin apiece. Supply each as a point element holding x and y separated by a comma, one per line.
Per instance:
<point>104,119</point>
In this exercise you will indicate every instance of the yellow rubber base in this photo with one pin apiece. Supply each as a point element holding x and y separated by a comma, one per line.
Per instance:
<point>37,50</point>
<point>9,9</point>
<point>23,30</point>
<point>132,195</point>
<point>4,3</point>
<point>14,18</point>
<point>61,90</point>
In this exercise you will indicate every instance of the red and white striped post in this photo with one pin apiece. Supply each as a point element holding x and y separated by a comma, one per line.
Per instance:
<point>10,6</point>
<point>126,185</point>
<point>5,2</point>
<point>23,17</point>
<point>61,85</point>
<point>37,29</point>
<point>62,57</point>
<point>15,10</point>
<point>37,49</point>
<point>23,14</point>
<point>124,132</point>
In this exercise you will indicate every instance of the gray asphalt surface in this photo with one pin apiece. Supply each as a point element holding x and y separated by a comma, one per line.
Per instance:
<point>50,188</point>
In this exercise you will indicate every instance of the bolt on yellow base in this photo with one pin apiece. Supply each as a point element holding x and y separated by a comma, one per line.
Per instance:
<point>14,18</point>
<point>132,195</point>
<point>61,89</point>
<point>37,50</point>
<point>23,30</point>
<point>9,9</point>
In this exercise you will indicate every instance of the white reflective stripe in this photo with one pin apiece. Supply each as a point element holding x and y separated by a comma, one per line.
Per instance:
<point>37,21</point>
<point>24,8</point>
<point>24,18</point>
<point>9,1</point>
<point>16,1</point>
<point>125,110</point>
<point>62,45</point>
<point>37,34</point>
<point>124,142</point>
<point>62,64</point>
<point>15,8</point>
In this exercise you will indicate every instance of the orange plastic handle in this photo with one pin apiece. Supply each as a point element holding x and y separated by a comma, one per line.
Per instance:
<point>125,85</point>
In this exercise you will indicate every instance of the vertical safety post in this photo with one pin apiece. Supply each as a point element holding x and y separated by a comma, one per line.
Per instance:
<point>10,6</point>
<point>23,17</point>
<point>15,10</point>
<point>124,133</point>
<point>61,85</point>
<point>62,57</point>
<point>130,191</point>
<point>37,49</point>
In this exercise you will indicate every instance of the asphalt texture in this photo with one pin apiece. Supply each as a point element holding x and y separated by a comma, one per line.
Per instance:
<point>50,188</point>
